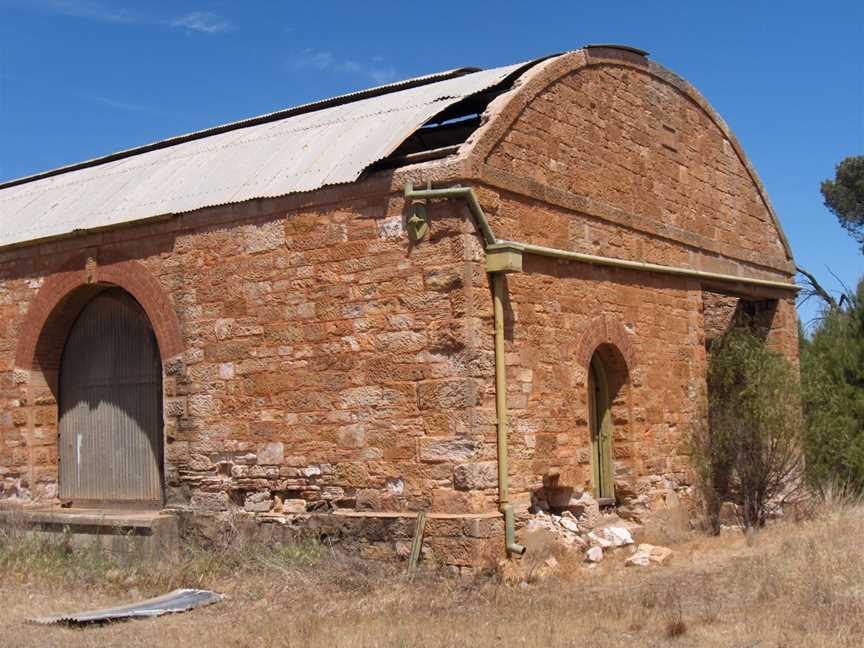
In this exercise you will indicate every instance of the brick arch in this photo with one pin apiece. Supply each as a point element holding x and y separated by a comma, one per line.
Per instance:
<point>503,111</point>
<point>64,294</point>
<point>604,330</point>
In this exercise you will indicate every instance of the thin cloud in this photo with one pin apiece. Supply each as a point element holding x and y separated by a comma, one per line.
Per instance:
<point>120,105</point>
<point>202,21</point>
<point>376,69</point>
<point>87,9</point>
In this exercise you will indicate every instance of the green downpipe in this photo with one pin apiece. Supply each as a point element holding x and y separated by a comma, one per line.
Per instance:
<point>501,409</point>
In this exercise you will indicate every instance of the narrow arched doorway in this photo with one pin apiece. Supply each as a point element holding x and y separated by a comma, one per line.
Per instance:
<point>600,423</point>
<point>110,402</point>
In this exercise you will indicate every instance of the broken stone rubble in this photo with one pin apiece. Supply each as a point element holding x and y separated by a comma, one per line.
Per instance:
<point>583,527</point>
<point>593,536</point>
<point>646,554</point>
<point>617,536</point>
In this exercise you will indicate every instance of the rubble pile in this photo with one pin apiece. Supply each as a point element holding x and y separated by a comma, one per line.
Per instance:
<point>583,528</point>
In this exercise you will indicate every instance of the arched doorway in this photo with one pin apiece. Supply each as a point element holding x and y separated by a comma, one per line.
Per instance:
<point>110,403</point>
<point>600,424</point>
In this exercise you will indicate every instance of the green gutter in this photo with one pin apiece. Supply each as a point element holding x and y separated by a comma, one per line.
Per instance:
<point>636,265</point>
<point>494,245</point>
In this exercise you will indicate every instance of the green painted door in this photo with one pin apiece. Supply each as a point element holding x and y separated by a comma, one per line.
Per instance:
<point>600,421</point>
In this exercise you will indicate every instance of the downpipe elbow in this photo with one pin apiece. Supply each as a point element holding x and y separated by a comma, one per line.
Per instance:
<point>512,546</point>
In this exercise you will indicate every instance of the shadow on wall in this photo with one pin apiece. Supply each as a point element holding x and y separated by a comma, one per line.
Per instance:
<point>723,312</point>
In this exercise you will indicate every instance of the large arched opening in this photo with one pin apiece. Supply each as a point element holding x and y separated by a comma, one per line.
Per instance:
<point>110,406</point>
<point>66,340</point>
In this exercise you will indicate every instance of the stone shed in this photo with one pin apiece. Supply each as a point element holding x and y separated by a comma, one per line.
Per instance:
<point>464,294</point>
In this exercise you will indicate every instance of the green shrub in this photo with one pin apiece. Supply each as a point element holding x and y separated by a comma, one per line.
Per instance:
<point>750,451</point>
<point>832,375</point>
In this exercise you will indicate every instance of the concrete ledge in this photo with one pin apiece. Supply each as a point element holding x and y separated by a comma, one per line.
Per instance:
<point>144,535</point>
<point>413,514</point>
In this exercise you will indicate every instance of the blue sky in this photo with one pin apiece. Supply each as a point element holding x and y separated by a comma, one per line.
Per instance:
<point>81,78</point>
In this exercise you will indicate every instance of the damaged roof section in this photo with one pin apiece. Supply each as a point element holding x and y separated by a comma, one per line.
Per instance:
<point>302,149</point>
<point>443,133</point>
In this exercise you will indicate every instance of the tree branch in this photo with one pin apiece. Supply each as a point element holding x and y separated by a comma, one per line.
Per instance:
<point>817,289</point>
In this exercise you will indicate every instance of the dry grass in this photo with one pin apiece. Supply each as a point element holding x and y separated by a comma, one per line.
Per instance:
<point>796,584</point>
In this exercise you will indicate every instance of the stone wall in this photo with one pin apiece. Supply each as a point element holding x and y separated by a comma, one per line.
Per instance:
<point>637,150</point>
<point>650,331</point>
<point>616,160</point>
<point>774,320</point>
<point>323,358</point>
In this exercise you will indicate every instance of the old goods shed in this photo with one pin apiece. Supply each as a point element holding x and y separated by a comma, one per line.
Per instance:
<point>460,294</point>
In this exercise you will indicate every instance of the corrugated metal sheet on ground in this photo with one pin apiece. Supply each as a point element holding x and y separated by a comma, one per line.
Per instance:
<point>180,600</point>
<point>299,153</point>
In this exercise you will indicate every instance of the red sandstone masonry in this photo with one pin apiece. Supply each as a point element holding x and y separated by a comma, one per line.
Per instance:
<point>311,351</point>
<point>612,159</point>
<point>316,359</point>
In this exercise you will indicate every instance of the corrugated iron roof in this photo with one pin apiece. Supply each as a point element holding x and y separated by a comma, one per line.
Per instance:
<point>291,151</point>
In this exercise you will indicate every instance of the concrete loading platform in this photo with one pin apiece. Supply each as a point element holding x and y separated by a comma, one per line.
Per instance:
<point>129,534</point>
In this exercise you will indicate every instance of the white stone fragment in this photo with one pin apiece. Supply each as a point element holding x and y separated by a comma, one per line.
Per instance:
<point>656,554</point>
<point>569,524</point>
<point>618,536</point>
<point>599,541</point>
<point>638,559</point>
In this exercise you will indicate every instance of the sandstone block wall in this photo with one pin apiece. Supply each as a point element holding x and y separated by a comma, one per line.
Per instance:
<point>644,154</point>
<point>323,359</point>
<point>613,160</point>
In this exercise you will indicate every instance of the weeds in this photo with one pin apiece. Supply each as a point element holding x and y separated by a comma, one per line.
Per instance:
<point>709,601</point>
<point>749,452</point>
<point>32,557</point>
<point>799,585</point>
<point>673,615</point>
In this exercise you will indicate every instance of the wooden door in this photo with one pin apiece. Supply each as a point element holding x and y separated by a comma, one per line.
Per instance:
<point>600,423</point>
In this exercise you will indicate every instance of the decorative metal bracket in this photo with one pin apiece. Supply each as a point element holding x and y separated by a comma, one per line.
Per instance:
<point>418,222</point>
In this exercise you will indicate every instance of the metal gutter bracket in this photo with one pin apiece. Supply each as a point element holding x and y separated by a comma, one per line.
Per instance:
<point>503,257</point>
<point>418,222</point>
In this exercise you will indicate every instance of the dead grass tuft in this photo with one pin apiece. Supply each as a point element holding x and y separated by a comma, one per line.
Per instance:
<point>673,615</point>
<point>28,558</point>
